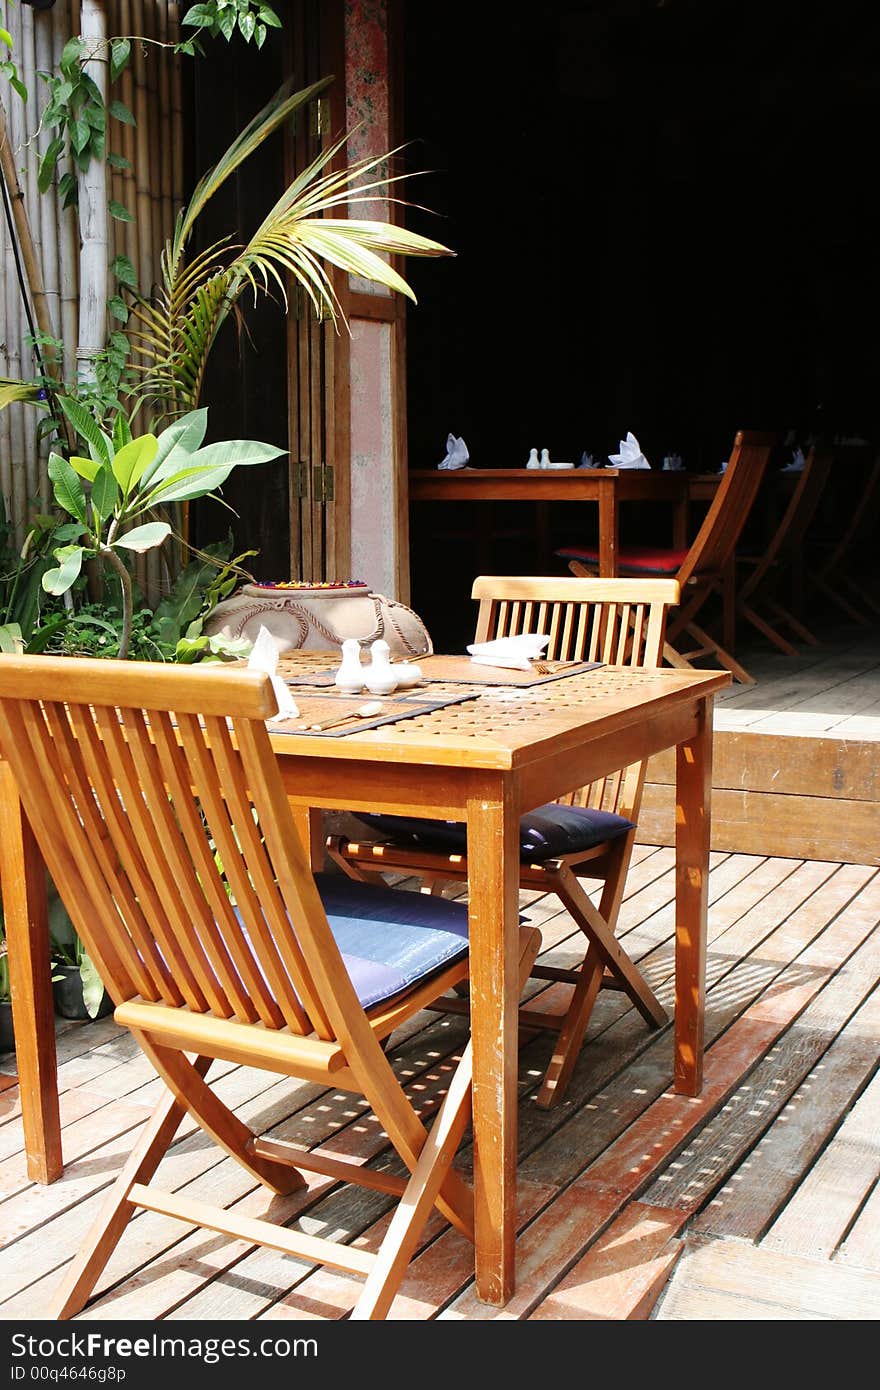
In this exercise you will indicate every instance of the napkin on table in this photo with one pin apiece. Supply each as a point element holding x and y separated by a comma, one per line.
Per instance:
<point>797,463</point>
<point>630,455</point>
<point>516,653</point>
<point>456,453</point>
<point>264,657</point>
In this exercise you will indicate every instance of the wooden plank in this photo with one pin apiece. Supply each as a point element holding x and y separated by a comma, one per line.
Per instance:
<point>785,763</point>
<point>861,1247</point>
<point>746,1203</point>
<point>819,1214</point>
<point>751,822</point>
<point>787,1284</point>
<point>728,1139</point>
<point>620,1276</point>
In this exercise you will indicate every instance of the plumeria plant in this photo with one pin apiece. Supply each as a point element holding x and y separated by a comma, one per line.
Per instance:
<point>126,480</point>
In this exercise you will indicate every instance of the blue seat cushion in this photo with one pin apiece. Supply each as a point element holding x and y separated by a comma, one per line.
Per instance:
<point>389,938</point>
<point>549,831</point>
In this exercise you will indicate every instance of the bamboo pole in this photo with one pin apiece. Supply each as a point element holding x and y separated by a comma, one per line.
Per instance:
<point>177,177</point>
<point>64,23</point>
<point>93,214</point>
<point>142,154</point>
<point>152,117</point>
<point>11,145</point>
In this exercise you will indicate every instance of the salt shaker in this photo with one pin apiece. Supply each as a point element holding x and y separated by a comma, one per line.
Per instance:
<point>380,677</point>
<point>533,459</point>
<point>545,459</point>
<point>350,676</point>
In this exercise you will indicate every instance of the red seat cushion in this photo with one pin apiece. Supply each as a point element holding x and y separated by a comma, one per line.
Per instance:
<point>642,559</point>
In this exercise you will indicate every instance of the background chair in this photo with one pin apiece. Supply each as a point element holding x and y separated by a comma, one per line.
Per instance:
<point>758,595</point>
<point>138,781</point>
<point>588,835</point>
<point>705,567</point>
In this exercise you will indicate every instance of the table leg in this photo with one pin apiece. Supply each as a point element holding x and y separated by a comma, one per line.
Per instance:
<point>25,909</point>
<point>310,828</point>
<point>493,889</point>
<point>693,797</point>
<point>608,527</point>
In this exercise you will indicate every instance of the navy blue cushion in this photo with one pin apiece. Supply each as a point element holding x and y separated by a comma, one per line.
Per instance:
<point>551,830</point>
<point>390,938</point>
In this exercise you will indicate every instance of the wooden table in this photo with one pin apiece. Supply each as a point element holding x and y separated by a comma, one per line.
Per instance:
<point>485,761</point>
<point>606,486</point>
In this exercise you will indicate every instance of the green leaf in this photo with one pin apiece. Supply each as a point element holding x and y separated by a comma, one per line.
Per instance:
<point>86,426</point>
<point>268,16</point>
<point>235,453</point>
<point>96,117</point>
<point>260,35</point>
<point>247,23</point>
<point>121,431</point>
<point>11,640</point>
<point>18,86</point>
<point>120,112</point>
<point>124,272</point>
<point>72,52</point>
<point>92,985</point>
<point>58,581</point>
<point>68,490</point>
<point>105,491</point>
<point>49,163</point>
<point>117,161</point>
<point>176,444</point>
<point>132,459</point>
<point>143,538</point>
<point>188,484</point>
<point>6,37</point>
<point>118,308</point>
<point>118,211</point>
<point>68,190</point>
<point>227,23</point>
<point>80,134</point>
<point>120,51</point>
<point>86,468</point>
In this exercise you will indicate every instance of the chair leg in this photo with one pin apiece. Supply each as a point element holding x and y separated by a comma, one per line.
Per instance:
<point>594,926</point>
<point>433,1167</point>
<point>215,1118</point>
<point>567,1046</point>
<point>767,630</point>
<point>420,1196</point>
<point>737,670</point>
<point>798,628</point>
<point>116,1211</point>
<point>334,846</point>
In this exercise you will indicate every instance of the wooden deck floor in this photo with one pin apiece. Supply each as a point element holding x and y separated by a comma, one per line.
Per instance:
<point>765,1186</point>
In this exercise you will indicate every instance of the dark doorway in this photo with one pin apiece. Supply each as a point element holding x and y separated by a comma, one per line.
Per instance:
<point>664,222</point>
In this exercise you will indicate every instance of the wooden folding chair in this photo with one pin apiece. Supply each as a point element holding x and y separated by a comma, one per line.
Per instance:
<point>705,567</point>
<point>590,834</point>
<point>758,595</point>
<point>159,806</point>
<point>836,577</point>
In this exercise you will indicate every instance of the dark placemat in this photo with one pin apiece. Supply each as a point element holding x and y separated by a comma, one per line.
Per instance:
<point>320,708</point>
<point>460,670</point>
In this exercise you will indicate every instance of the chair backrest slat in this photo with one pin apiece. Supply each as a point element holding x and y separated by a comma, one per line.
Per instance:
<point>789,533</point>
<point>155,795</point>
<point>620,622</point>
<point>716,539</point>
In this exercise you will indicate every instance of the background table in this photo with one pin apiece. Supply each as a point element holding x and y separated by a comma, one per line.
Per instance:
<point>607,487</point>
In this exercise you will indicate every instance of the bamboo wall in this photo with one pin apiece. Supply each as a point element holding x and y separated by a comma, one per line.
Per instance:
<point>152,190</point>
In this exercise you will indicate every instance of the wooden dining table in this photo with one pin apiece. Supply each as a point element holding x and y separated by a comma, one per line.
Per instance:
<point>485,760</point>
<point>606,487</point>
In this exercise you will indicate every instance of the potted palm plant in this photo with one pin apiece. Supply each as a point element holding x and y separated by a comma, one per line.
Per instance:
<point>77,989</point>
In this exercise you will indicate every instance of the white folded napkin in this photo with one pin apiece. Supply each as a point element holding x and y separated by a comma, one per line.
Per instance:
<point>630,455</point>
<point>264,657</point>
<point>797,463</point>
<point>515,653</point>
<point>456,453</point>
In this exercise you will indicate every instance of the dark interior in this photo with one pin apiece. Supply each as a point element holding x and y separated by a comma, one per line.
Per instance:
<point>664,221</point>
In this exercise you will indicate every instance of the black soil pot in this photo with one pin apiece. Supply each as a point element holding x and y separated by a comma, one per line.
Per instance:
<point>68,995</point>
<point>7,1037</point>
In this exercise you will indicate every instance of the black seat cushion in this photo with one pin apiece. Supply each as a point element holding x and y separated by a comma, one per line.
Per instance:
<point>549,831</point>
